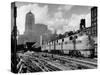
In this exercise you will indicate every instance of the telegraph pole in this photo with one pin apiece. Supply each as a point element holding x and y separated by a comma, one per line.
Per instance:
<point>55,39</point>
<point>74,42</point>
<point>62,45</point>
<point>73,38</point>
<point>41,42</point>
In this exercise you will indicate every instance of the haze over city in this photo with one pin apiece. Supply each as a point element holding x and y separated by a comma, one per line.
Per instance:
<point>57,17</point>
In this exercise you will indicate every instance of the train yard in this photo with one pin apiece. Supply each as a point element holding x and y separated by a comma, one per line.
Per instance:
<point>45,62</point>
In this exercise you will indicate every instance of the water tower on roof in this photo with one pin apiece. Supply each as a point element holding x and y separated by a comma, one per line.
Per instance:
<point>82,24</point>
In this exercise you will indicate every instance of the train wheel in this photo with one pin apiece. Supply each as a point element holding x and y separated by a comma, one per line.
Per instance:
<point>78,53</point>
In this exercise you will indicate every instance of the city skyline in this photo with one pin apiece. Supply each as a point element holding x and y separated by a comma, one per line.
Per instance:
<point>59,17</point>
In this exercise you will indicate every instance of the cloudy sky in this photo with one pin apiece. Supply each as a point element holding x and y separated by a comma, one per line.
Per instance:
<point>56,16</point>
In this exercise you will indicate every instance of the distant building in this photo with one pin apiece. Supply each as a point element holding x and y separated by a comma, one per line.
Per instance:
<point>83,28</point>
<point>29,22</point>
<point>32,31</point>
<point>82,24</point>
<point>94,25</point>
<point>94,21</point>
<point>92,30</point>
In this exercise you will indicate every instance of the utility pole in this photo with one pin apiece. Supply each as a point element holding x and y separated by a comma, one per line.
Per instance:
<point>74,42</point>
<point>62,45</point>
<point>55,39</point>
<point>73,38</point>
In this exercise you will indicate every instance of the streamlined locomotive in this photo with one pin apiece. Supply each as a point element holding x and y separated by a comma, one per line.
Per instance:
<point>78,45</point>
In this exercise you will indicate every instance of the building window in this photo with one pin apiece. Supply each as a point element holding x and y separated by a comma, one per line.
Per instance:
<point>95,18</point>
<point>95,12</point>
<point>94,23</point>
<point>91,24</point>
<point>92,30</point>
<point>92,19</point>
<point>92,13</point>
<point>95,29</point>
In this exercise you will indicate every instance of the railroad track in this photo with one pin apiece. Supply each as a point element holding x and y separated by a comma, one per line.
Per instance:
<point>48,66</point>
<point>71,65</point>
<point>80,63</point>
<point>42,63</point>
<point>52,68</point>
<point>85,64</point>
<point>35,64</point>
<point>31,66</point>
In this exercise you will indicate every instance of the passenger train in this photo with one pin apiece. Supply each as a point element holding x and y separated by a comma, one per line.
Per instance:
<point>77,45</point>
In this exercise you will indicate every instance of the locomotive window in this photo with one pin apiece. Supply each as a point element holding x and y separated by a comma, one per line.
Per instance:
<point>62,40</point>
<point>65,42</point>
<point>57,41</point>
<point>76,37</point>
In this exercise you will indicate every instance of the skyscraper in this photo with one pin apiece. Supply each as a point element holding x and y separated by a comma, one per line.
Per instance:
<point>29,22</point>
<point>32,31</point>
<point>94,21</point>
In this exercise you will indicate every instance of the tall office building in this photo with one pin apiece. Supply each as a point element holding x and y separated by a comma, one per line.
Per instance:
<point>94,21</point>
<point>29,21</point>
<point>32,31</point>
